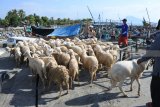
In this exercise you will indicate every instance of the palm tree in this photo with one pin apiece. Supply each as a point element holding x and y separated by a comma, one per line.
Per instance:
<point>21,14</point>
<point>37,19</point>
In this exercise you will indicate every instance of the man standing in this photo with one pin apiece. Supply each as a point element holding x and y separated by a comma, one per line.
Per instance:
<point>154,52</point>
<point>91,32</point>
<point>123,37</point>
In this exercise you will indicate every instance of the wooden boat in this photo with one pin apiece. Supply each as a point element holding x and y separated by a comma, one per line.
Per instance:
<point>41,31</point>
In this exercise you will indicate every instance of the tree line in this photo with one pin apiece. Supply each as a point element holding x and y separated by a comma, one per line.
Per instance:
<point>16,18</point>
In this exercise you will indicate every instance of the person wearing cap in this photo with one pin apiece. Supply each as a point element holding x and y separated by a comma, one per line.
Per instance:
<point>154,53</point>
<point>123,37</point>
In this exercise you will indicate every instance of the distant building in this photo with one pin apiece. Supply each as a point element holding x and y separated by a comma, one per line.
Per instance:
<point>103,24</point>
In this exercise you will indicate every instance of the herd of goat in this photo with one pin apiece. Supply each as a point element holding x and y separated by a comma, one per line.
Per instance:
<point>60,61</point>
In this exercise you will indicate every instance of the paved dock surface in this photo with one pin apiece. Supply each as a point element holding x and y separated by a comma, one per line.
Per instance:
<point>19,91</point>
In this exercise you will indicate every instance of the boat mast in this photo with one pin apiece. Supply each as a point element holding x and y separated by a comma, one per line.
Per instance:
<point>91,14</point>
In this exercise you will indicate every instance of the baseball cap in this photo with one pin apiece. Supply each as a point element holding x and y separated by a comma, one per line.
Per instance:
<point>124,20</point>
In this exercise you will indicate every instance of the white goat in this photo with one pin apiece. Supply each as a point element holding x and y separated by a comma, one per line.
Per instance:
<point>123,69</point>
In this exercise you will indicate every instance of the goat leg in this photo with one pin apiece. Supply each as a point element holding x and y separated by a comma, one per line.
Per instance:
<point>139,86</point>
<point>60,86</point>
<point>131,84</point>
<point>120,87</point>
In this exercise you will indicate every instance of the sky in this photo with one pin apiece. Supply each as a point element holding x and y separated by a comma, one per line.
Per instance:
<point>77,9</point>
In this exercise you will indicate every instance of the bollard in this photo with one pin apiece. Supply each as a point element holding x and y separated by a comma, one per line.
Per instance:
<point>37,81</point>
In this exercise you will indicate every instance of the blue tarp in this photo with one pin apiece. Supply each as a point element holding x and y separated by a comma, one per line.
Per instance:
<point>67,31</point>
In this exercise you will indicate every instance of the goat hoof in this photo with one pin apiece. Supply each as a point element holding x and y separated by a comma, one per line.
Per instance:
<point>109,89</point>
<point>91,85</point>
<point>125,96</point>
<point>70,87</point>
<point>58,97</point>
<point>67,92</point>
